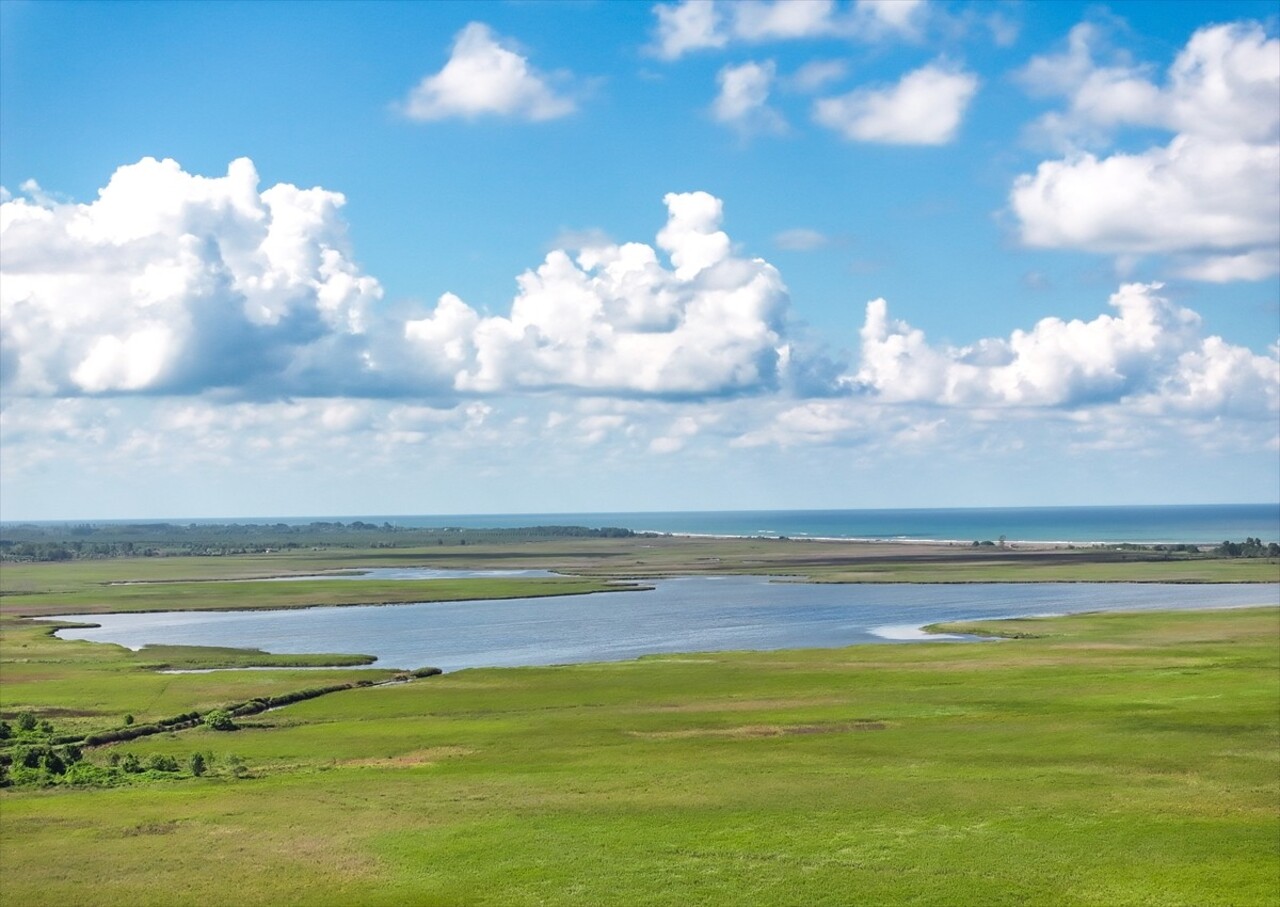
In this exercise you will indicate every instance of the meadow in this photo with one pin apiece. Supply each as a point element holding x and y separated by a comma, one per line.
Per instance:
<point>1090,759</point>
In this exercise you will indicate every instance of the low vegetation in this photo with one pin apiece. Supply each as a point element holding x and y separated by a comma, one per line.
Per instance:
<point>1094,759</point>
<point>1111,759</point>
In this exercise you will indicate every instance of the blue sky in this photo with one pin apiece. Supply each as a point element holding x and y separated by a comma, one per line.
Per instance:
<point>325,258</point>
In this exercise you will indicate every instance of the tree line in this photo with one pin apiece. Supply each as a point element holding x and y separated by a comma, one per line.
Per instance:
<point>65,542</point>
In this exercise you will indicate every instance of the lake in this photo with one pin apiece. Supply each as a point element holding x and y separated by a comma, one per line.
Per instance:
<point>686,614</point>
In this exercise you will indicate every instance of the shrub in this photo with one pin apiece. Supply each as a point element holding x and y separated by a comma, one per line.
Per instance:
<point>161,763</point>
<point>52,763</point>
<point>197,764</point>
<point>26,722</point>
<point>220,720</point>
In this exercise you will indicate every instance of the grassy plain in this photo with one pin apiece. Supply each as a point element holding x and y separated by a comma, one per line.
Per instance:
<point>1114,759</point>
<point>1096,759</point>
<point>234,595</point>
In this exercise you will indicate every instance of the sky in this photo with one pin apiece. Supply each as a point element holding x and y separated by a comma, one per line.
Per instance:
<point>302,259</point>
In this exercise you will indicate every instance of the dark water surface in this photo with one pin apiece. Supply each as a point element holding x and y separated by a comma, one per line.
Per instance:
<point>687,614</point>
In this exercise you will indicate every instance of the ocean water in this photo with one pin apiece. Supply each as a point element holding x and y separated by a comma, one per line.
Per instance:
<point>1189,523</point>
<point>1200,524</point>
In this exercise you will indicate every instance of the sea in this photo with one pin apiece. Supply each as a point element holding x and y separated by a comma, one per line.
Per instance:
<point>1172,523</point>
<point>1201,524</point>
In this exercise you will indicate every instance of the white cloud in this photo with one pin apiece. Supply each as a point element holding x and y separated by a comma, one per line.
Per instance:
<point>1222,86</point>
<point>486,76</point>
<point>171,282</point>
<point>780,20</point>
<point>1151,356</point>
<point>743,101</point>
<point>616,321</point>
<point>685,26</point>
<point>924,108</point>
<point>693,25</point>
<point>1194,194</point>
<point>880,18</point>
<point>1209,196</point>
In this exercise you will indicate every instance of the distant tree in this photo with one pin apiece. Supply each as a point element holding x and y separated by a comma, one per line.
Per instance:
<point>197,764</point>
<point>128,720</point>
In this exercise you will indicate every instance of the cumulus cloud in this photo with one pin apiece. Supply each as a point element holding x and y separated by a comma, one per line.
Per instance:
<point>884,18</point>
<point>1151,357</point>
<point>743,101</point>
<point>1209,197</point>
<point>693,25</point>
<point>615,320</point>
<point>172,282</point>
<point>486,76</point>
<point>756,20</point>
<point>1218,199</point>
<point>924,108</point>
<point>686,26</point>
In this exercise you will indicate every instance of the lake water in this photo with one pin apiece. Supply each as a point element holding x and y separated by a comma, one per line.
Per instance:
<point>687,614</point>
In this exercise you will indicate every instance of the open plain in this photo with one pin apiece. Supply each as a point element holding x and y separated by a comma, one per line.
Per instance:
<point>1090,759</point>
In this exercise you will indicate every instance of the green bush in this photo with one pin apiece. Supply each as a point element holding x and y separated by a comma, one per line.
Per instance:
<point>219,720</point>
<point>162,763</point>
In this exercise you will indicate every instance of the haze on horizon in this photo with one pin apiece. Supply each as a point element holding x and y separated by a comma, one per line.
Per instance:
<point>562,257</point>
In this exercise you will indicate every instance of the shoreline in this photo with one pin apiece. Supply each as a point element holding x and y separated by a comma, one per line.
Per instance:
<point>1009,544</point>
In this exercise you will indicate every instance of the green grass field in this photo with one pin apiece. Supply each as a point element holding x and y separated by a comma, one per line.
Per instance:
<point>232,595</point>
<point>1115,759</point>
<point>1108,759</point>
